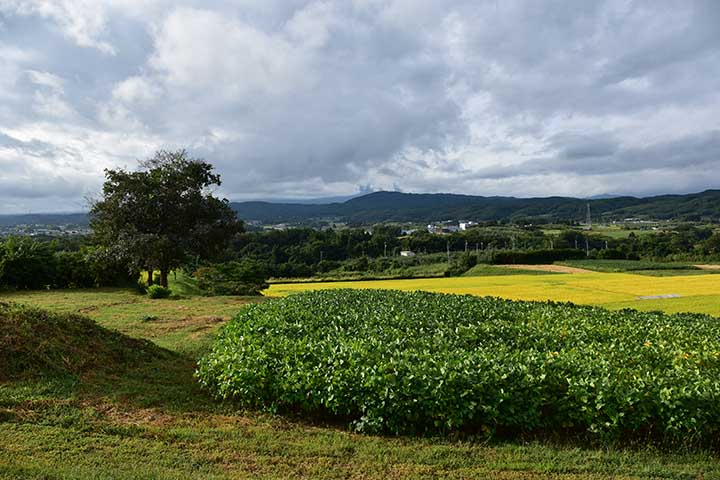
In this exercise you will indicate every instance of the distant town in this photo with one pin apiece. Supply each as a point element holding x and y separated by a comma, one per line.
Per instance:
<point>43,230</point>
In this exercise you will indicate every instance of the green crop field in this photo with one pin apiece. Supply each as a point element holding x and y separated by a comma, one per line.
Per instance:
<point>691,293</point>
<point>418,362</point>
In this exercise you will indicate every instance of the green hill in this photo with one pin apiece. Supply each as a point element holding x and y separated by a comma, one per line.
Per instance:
<point>426,207</point>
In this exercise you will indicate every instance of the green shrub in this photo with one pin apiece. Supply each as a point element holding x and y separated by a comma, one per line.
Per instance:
<point>419,362</point>
<point>31,264</point>
<point>158,291</point>
<point>232,278</point>
<point>461,265</point>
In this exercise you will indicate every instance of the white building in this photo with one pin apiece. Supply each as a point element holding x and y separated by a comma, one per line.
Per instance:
<point>407,253</point>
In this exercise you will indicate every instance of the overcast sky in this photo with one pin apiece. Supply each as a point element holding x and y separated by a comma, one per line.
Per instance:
<point>309,99</point>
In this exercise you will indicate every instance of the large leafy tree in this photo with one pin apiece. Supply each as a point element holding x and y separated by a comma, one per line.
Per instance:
<point>164,214</point>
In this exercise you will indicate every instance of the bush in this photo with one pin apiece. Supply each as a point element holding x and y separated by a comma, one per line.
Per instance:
<point>611,254</point>
<point>233,278</point>
<point>404,362</point>
<point>28,264</point>
<point>360,264</point>
<point>461,265</point>
<point>158,291</point>
<point>72,270</point>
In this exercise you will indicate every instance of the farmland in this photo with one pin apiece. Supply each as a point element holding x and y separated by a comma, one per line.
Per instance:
<point>690,293</point>
<point>107,423</point>
<point>421,362</point>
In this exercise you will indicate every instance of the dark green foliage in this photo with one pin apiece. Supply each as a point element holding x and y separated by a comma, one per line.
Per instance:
<point>361,264</point>
<point>35,342</point>
<point>31,264</point>
<point>298,252</point>
<point>461,265</point>
<point>419,362</point>
<point>158,291</point>
<point>26,264</point>
<point>163,216</point>
<point>246,277</point>
<point>612,254</point>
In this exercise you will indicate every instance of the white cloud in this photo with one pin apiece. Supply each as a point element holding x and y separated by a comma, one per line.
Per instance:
<point>206,51</point>
<point>52,105</point>
<point>83,21</point>
<point>46,79</point>
<point>136,90</point>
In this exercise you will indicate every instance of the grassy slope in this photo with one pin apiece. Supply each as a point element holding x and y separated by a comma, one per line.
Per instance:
<point>154,422</point>
<point>626,265</point>
<point>483,270</point>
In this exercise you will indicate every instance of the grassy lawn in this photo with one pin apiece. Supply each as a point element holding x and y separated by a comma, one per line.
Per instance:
<point>608,231</point>
<point>482,270</point>
<point>153,421</point>
<point>629,265</point>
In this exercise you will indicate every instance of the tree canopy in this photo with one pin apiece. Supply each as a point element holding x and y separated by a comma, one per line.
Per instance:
<point>164,214</point>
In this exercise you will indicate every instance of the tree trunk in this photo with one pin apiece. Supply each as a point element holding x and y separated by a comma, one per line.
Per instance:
<point>150,276</point>
<point>164,277</point>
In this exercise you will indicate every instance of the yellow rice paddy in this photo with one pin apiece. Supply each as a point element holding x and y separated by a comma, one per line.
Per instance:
<point>693,293</point>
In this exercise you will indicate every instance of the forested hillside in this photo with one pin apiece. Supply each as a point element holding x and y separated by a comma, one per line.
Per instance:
<point>411,207</point>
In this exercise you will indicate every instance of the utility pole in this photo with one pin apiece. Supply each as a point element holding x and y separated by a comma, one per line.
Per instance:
<point>466,245</point>
<point>552,244</point>
<point>588,220</point>
<point>385,250</point>
<point>321,255</point>
<point>575,243</point>
<point>587,247</point>
<point>448,251</point>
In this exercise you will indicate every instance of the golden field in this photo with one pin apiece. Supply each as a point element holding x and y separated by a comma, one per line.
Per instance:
<point>696,293</point>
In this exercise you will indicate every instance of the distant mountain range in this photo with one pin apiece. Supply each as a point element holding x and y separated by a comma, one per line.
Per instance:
<point>429,207</point>
<point>79,219</point>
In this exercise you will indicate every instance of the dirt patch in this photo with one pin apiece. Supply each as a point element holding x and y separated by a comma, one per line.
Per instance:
<point>93,308</point>
<point>198,323</point>
<point>124,416</point>
<point>707,267</point>
<point>655,297</point>
<point>548,268</point>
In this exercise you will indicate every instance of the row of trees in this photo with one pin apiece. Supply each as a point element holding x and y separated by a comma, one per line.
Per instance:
<point>29,264</point>
<point>303,252</point>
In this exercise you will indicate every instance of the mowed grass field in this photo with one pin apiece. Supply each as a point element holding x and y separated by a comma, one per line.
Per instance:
<point>692,293</point>
<point>156,422</point>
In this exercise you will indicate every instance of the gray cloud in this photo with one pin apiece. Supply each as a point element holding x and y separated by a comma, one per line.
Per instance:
<point>312,98</point>
<point>600,156</point>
